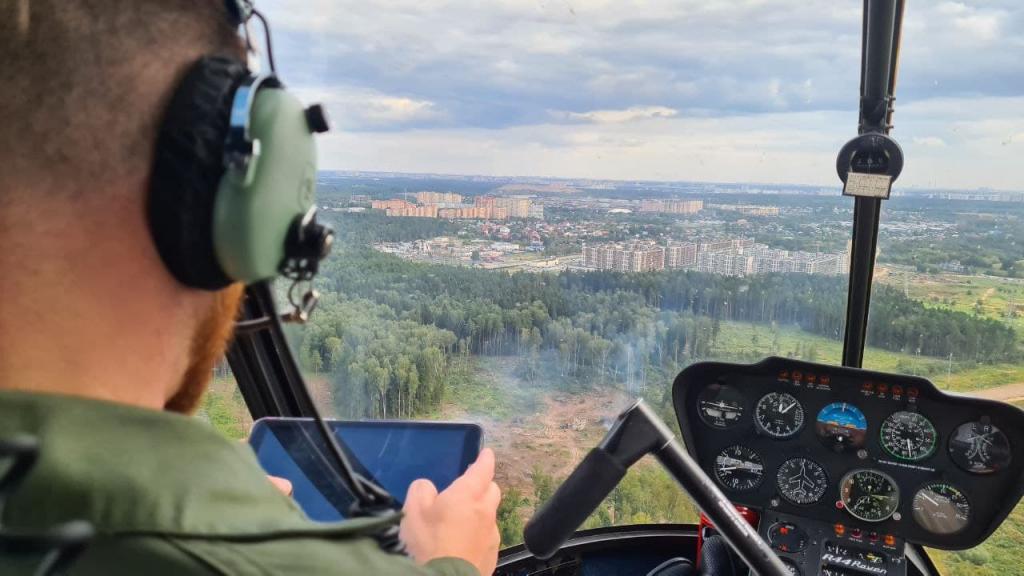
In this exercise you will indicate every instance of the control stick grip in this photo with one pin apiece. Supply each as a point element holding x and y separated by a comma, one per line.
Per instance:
<point>575,499</point>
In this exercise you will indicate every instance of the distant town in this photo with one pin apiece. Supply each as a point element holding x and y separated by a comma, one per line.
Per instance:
<point>450,205</point>
<point>490,244</point>
<point>544,224</point>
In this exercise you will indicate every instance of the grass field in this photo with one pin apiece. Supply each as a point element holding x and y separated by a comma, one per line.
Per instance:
<point>996,298</point>
<point>998,556</point>
<point>749,342</point>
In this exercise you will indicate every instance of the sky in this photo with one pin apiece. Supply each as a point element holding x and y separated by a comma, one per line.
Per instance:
<point>695,90</point>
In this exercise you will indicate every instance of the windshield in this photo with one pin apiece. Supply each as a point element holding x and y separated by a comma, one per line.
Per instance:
<point>545,209</point>
<point>948,297</point>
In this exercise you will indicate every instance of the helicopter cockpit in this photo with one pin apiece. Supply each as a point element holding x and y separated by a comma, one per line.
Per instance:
<point>679,377</point>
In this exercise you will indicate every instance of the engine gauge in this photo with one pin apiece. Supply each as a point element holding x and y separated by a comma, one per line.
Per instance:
<point>801,481</point>
<point>908,436</point>
<point>869,495</point>
<point>779,415</point>
<point>841,426</point>
<point>720,405</point>
<point>787,537</point>
<point>739,468</point>
<point>941,508</point>
<point>980,448</point>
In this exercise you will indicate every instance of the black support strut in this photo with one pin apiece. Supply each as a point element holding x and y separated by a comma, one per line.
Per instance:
<point>879,53</point>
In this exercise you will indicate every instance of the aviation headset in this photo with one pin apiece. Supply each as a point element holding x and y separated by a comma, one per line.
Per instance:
<point>232,193</point>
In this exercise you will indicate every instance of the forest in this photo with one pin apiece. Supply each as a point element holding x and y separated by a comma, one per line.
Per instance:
<point>389,331</point>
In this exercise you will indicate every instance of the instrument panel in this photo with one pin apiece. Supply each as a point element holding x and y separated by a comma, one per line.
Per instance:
<point>883,455</point>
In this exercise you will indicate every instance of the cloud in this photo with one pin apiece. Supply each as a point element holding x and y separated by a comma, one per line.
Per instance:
<point>621,116</point>
<point>930,141</point>
<point>390,109</point>
<point>984,27</point>
<point>557,86</point>
<point>359,109</point>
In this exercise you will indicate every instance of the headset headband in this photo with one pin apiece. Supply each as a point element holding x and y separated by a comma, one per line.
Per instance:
<point>239,147</point>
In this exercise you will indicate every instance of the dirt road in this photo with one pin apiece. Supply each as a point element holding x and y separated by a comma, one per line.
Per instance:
<point>1005,393</point>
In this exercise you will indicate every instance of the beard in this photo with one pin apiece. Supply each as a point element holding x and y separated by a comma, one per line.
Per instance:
<point>209,341</point>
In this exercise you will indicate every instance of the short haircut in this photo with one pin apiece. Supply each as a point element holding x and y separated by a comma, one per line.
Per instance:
<point>84,83</point>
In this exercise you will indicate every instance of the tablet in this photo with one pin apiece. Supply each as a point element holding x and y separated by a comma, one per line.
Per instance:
<point>391,453</point>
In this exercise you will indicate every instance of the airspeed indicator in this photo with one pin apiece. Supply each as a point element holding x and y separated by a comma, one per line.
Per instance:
<point>779,415</point>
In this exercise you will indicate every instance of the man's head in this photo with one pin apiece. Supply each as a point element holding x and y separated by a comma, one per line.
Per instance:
<point>87,306</point>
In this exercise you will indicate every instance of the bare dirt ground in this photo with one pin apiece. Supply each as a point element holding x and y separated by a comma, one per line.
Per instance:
<point>1005,393</point>
<point>547,429</point>
<point>555,438</point>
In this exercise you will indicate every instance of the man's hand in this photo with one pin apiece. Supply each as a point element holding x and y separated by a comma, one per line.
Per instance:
<point>282,484</point>
<point>460,522</point>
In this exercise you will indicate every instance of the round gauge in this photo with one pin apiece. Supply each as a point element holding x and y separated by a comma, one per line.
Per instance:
<point>908,436</point>
<point>801,481</point>
<point>941,508</point>
<point>720,406</point>
<point>979,448</point>
<point>779,415</point>
<point>869,495</point>
<point>841,426</point>
<point>787,537</point>
<point>739,468</point>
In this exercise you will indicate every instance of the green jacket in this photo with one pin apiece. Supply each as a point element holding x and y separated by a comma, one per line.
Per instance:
<point>168,495</point>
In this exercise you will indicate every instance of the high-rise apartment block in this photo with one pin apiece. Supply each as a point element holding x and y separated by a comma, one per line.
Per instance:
<point>672,206</point>
<point>637,256</point>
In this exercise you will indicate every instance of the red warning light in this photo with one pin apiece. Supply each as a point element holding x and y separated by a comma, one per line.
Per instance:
<point>825,379</point>
<point>839,529</point>
<point>811,378</point>
<point>912,392</point>
<point>868,386</point>
<point>882,388</point>
<point>890,540</point>
<point>897,390</point>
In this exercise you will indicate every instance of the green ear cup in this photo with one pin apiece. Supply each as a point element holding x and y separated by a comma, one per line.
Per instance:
<point>254,210</point>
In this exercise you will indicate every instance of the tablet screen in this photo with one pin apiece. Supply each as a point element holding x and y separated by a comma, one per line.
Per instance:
<point>390,453</point>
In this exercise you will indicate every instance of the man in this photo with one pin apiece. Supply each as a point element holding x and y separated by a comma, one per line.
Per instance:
<point>103,354</point>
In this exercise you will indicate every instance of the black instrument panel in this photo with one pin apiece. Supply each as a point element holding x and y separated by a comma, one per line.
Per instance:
<point>880,454</point>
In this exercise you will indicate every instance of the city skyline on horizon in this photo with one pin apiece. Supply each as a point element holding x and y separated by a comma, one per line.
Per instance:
<point>837,186</point>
